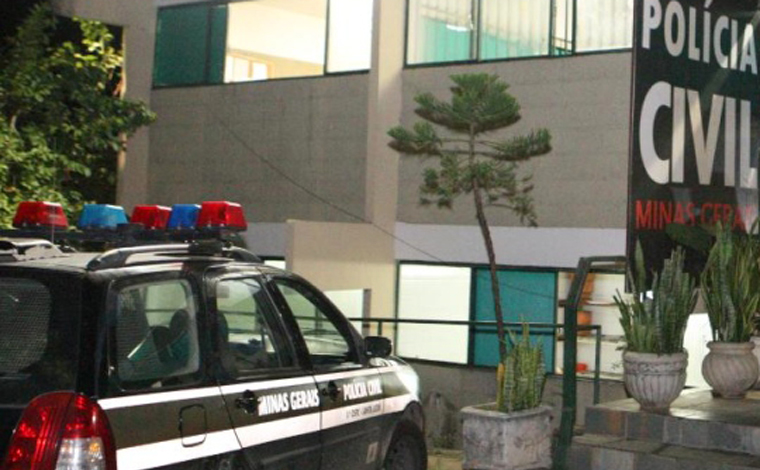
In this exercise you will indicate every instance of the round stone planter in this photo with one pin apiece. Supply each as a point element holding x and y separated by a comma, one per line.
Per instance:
<point>654,381</point>
<point>730,368</point>
<point>506,441</point>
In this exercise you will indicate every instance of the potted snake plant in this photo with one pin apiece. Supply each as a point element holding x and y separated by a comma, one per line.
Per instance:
<point>730,286</point>
<point>515,432</point>
<point>654,324</point>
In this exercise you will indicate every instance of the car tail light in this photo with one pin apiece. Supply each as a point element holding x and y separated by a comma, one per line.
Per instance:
<point>222,214</point>
<point>61,431</point>
<point>151,217</point>
<point>40,214</point>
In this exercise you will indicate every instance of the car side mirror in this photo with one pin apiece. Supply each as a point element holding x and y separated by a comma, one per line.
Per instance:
<point>377,346</point>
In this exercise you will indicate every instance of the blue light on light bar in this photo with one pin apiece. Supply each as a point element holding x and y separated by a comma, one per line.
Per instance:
<point>100,216</point>
<point>184,216</point>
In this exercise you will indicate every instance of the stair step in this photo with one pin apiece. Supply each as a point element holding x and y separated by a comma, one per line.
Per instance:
<point>604,452</point>
<point>696,420</point>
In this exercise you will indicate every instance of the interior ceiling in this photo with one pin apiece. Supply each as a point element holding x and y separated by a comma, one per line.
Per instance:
<point>316,8</point>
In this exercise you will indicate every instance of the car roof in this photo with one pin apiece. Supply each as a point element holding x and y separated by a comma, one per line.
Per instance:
<point>42,255</point>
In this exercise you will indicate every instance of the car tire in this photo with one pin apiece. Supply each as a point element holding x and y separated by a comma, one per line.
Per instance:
<point>407,450</point>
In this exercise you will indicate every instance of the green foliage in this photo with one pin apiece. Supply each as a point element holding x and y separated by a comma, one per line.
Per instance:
<point>61,122</point>
<point>469,163</point>
<point>731,285</point>
<point>656,323</point>
<point>521,375</point>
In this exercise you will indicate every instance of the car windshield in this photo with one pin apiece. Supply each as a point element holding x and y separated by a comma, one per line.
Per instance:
<point>38,334</point>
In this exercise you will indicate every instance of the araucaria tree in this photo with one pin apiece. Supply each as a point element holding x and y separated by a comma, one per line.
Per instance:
<point>62,121</point>
<point>472,160</point>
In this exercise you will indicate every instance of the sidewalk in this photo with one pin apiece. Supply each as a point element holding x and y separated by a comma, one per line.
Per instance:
<point>445,459</point>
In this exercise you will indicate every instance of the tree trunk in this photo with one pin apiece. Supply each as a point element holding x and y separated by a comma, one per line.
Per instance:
<point>495,290</point>
<point>486,232</point>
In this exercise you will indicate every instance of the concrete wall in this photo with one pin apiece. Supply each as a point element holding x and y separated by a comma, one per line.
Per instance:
<point>280,148</point>
<point>339,256</point>
<point>583,101</point>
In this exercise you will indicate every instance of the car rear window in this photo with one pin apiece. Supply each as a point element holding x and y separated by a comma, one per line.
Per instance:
<point>24,322</point>
<point>39,318</point>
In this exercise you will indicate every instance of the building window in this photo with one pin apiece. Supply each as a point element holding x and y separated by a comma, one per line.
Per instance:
<point>261,40</point>
<point>604,24</point>
<point>190,45</point>
<point>461,293</point>
<point>440,31</point>
<point>285,39</point>
<point>350,35</point>
<point>514,28</point>
<point>432,292</point>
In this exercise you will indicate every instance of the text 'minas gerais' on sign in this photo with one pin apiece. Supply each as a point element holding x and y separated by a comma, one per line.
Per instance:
<point>694,122</point>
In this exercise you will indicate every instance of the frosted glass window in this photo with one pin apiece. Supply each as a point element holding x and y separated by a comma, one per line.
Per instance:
<point>277,39</point>
<point>440,31</point>
<point>433,292</point>
<point>350,35</point>
<point>604,24</point>
<point>514,28</point>
<point>562,39</point>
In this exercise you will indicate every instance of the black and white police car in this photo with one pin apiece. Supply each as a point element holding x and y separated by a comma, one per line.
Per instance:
<point>185,356</point>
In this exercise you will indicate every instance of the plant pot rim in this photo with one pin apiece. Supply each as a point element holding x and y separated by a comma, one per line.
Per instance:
<point>749,345</point>
<point>488,410</point>
<point>665,356</point>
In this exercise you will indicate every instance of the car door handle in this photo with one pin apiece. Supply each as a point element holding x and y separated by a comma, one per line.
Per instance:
<point>247,402</point>
<point>331,390</point>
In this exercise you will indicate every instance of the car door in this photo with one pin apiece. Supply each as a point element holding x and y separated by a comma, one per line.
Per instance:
<point>273,403</point>
<point>161,406</point>
<point>351,392</point>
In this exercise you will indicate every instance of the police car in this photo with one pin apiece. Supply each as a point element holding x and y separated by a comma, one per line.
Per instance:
<point>156,354</point>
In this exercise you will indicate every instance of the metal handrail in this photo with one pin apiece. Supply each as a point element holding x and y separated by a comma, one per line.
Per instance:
<point>597,329</point>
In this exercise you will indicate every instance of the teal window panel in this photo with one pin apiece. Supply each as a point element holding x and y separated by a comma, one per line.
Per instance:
<point>441,43</point>
<point>190,45</point>
<point>217,43</point>
<point>529,296</point>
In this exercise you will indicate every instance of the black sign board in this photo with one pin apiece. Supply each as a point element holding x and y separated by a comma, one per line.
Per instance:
<point>695,122</point>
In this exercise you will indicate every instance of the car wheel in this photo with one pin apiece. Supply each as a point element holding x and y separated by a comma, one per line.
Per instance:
<point>407,450</point>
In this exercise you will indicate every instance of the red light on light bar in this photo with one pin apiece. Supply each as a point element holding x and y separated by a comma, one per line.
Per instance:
<point>40,214</point>
<point>151,217</point>
<point>222,214</point>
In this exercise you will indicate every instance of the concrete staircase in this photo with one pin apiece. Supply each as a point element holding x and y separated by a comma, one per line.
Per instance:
<point>700,433</point>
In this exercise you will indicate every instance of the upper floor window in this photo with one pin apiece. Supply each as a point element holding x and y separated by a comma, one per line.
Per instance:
<point>464,30</point>
<point>206,43</point>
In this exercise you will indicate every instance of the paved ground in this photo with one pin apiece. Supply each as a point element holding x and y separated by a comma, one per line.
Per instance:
<point>444,459</point>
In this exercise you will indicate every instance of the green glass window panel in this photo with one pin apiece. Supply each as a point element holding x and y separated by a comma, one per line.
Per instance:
<point>525,296</point>
<point>444,44</point>
<point>514,28</point>
<point>439,31</point>
<point>217,44</point>
<point>190,43</point>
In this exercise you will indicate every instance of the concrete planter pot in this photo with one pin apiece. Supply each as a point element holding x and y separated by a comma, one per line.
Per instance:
<point>506,441</point>
<point>730,368</point>
<point>654,381</point>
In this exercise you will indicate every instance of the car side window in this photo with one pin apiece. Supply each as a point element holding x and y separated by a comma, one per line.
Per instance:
<point>246,342</point>
<point>155,338</point>
<point>326,342</point>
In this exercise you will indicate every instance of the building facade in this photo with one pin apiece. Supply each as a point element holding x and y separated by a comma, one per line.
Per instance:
<point>284,105</point>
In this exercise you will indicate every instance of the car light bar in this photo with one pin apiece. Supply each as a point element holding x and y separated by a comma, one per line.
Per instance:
<point>151,217</point>
<point>101,216</point>
<point>183,216</point>
<point>40,214</point>
<point>221,214</point>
